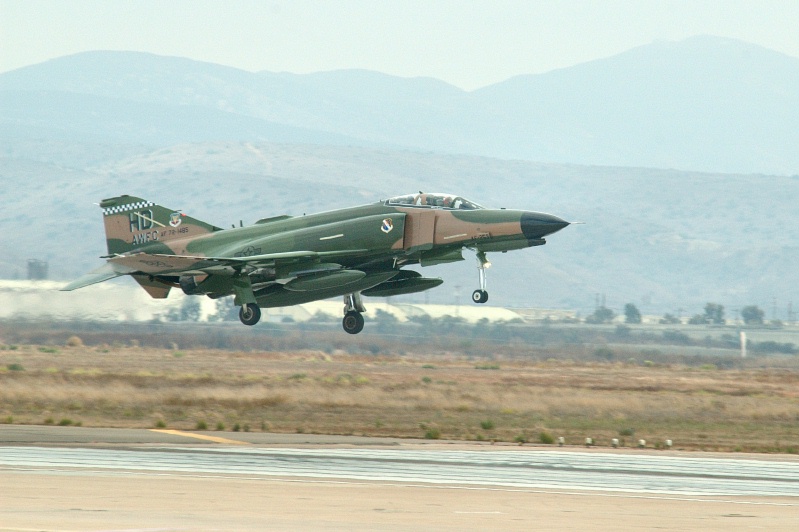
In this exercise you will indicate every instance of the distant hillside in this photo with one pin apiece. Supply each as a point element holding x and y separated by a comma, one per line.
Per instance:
<point>665,240</point>
<point>705,103</point>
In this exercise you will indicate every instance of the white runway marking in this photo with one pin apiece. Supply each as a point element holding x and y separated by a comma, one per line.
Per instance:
<point>624,475</point>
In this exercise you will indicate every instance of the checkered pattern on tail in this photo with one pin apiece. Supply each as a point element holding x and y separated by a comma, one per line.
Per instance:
<point>129,207</point>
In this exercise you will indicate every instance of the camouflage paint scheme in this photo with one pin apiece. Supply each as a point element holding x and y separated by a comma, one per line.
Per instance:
<point>286,260</point>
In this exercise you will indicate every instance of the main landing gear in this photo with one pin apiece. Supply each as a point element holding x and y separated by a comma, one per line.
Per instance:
<point>481,295</point>
<point>353,322</point>
<point>353,319</point>
<point>249,314</point>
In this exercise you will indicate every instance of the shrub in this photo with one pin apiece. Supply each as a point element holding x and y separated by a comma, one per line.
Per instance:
<point>487,424</point>
<point>236,427</point>
<point>520,438</point>
<point>487,366</point>
<point>601,315</point>
<point>160,424</point>
<point>427,380</point>
<point>676,337</point>
<point>432,434</point>
<point>774,347</point>
<point>201,425</point>
<point>546,438</point>
<point>65,422</point>
<point>604,353</point>
<point>74,341</point>
<point>15,367</point>
<point>220,426</point>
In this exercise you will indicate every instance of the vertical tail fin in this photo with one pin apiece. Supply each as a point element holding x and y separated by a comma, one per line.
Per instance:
<point>134,224</point>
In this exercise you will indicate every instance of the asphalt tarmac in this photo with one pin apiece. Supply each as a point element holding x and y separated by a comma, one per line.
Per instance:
<point>69,478</point>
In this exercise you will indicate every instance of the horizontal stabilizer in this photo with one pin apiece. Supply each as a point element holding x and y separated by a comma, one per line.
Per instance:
<point>103,273</point>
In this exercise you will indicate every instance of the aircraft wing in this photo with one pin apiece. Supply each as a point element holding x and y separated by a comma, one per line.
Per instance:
<point>161,264</point>
<point>158,264</point>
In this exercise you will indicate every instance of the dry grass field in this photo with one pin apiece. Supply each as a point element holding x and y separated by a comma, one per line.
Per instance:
<point>441,395</point>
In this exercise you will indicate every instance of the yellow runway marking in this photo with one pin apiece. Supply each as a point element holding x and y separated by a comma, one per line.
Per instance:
<point>215,439</point>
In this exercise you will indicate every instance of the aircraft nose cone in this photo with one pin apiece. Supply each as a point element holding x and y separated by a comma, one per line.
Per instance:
<point>537,225</point>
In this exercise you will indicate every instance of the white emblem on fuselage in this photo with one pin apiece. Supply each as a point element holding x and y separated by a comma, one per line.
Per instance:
<point>174,219</point>
<point>387,226</point>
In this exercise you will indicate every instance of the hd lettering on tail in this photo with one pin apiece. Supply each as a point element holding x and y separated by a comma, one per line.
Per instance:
<point>141,223</point>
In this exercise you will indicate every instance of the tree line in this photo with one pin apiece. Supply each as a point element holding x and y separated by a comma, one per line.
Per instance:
<point>713,315</point>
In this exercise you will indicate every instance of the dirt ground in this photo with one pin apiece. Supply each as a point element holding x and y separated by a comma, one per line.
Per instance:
<point>446,396</point>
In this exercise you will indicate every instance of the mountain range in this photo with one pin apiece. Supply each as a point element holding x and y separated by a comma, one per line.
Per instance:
<point>702,104</point>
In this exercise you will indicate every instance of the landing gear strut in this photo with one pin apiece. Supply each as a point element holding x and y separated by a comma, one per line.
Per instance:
<point>353,320</point>
<point>481,295</point>
<point>249,314</point>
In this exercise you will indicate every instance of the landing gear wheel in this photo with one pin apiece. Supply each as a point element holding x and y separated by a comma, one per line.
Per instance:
<point>353,322</point>
<point>249,314</point>
<point>479,296</point>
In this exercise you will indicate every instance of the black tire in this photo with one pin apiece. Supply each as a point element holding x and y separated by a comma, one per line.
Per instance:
<point>480,296</point>
<point>251,315</point>
<point>352,322</point>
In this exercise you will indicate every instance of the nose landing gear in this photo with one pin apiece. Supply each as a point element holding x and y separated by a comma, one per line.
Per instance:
<point>481,295</point>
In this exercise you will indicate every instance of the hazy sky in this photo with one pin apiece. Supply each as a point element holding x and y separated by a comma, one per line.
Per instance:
<point>467,43</point>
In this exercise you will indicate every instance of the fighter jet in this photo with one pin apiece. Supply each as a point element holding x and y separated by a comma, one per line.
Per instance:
<point>285,260</point>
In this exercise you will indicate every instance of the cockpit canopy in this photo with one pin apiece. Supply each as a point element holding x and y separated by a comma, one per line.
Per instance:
<point>444,201</point>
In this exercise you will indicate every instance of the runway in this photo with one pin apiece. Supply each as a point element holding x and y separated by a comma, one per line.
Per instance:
<point>326,471</point>
<point>531,468</point>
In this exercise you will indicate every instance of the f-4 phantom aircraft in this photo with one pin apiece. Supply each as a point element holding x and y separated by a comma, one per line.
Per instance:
<point>285,260</point>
